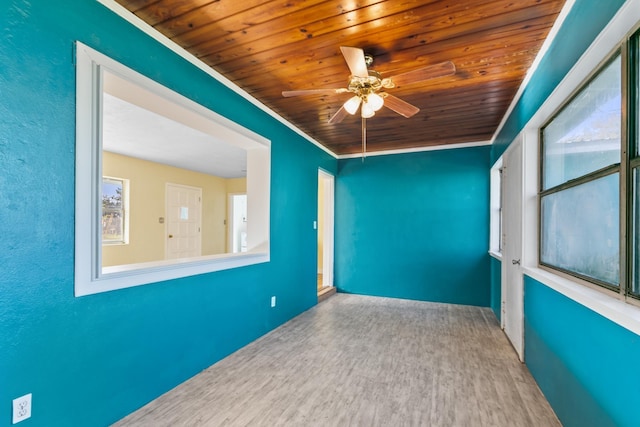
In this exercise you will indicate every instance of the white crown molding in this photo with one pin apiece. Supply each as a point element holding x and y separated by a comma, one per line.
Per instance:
<point>416,149</point>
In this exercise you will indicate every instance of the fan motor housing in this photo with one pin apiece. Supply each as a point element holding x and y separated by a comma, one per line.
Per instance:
<point>370,84</point>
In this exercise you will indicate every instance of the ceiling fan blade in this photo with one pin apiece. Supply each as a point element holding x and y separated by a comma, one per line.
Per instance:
<point>290,93</point>
<point>355,60</point>
<point>421,74</point>
<point>399,106</point>
<point>338,116</point>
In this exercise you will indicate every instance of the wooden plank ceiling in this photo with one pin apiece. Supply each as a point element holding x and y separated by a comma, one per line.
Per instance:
<point>267,47</point>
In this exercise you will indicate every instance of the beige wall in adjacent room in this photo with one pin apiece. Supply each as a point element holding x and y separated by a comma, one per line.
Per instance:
<point>147,187</point>
<point>236,185</point>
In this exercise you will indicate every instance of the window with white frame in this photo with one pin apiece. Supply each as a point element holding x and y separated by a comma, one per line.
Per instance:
<point>495,243</point>
<point>115,198</point>
<point>587,185</point>
<point>101,200</point>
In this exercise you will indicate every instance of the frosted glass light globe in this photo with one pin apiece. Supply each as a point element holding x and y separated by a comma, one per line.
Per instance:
<point>352,105</point>
<point>376,101</point>
<point>367,110</point>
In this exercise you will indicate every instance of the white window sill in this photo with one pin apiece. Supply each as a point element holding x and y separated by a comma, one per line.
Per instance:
<point>614,309</point>
<point>496,255</point>
<point>124,276</point>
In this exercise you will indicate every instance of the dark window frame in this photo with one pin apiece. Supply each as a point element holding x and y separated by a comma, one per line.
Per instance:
<point>628,82</point>
<point>631,125</point>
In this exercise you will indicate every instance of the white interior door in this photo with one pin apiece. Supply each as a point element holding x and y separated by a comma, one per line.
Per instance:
<point>512,280</point>
<point>184,211</point>
<point>325,217</point>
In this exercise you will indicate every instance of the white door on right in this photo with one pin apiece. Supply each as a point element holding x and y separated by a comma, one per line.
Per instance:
<point>512,279</point>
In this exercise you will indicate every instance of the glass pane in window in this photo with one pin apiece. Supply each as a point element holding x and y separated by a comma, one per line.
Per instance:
<point>585,135</point>
<point>636,58</point>
<point>635,287</point>
<point>112,212</point>
<point>580,229</point>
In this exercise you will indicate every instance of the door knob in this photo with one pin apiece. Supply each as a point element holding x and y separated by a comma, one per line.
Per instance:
<point>515,261</point>
<point>171,236</point>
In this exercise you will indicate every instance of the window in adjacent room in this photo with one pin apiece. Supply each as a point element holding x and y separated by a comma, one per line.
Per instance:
<point>115,197</point>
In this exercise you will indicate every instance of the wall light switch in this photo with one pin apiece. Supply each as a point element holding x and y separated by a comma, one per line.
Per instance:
<point>315,225</point>
<point>273,301</point>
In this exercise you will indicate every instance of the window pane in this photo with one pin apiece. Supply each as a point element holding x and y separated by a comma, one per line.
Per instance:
<point>585,136</point>
<point>580,229</point>
<point>635,190</point>
<point>112,212</point>
<point>636,83</point>
<point>635,287</point>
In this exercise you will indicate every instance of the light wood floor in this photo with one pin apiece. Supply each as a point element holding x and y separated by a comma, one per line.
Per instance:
<point>363,361</point>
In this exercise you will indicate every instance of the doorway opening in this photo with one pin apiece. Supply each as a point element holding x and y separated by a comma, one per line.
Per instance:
<point>237,231</point>
<point>325,229</point>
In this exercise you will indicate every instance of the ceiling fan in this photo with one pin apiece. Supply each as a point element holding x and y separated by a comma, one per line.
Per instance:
<point>367,86</point>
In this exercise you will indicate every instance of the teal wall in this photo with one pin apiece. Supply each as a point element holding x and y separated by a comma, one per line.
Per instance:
<point>581,26</point>
<point>415,226</point>
<point>496,287</point>
<point>583,362</point>
<point>90,361</point>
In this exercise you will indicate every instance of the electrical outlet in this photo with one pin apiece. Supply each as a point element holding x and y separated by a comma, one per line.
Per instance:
<point>21,408</point>
<point>273,301</point>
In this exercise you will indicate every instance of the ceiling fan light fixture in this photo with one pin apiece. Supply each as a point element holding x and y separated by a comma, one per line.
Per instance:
<point>375,101</point>
<point>367,110</point>
<point>352,104</point>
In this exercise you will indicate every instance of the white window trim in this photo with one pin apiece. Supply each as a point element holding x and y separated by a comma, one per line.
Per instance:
<point>89,275</point>
<point>600,301</point>
<point>495,195</point>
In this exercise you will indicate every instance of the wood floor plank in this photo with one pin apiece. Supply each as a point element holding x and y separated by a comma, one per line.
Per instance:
<point>363,361</point>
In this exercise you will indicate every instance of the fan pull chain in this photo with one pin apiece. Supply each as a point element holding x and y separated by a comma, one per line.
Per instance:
<point>364,138</point>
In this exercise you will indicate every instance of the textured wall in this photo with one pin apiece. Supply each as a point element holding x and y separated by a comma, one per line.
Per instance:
<point>415,226</point>
<point>582,361</point>
<point>89,361</point>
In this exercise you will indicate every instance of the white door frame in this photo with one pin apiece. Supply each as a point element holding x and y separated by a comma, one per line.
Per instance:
<point>512,318</point>
<point>328,187</point>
